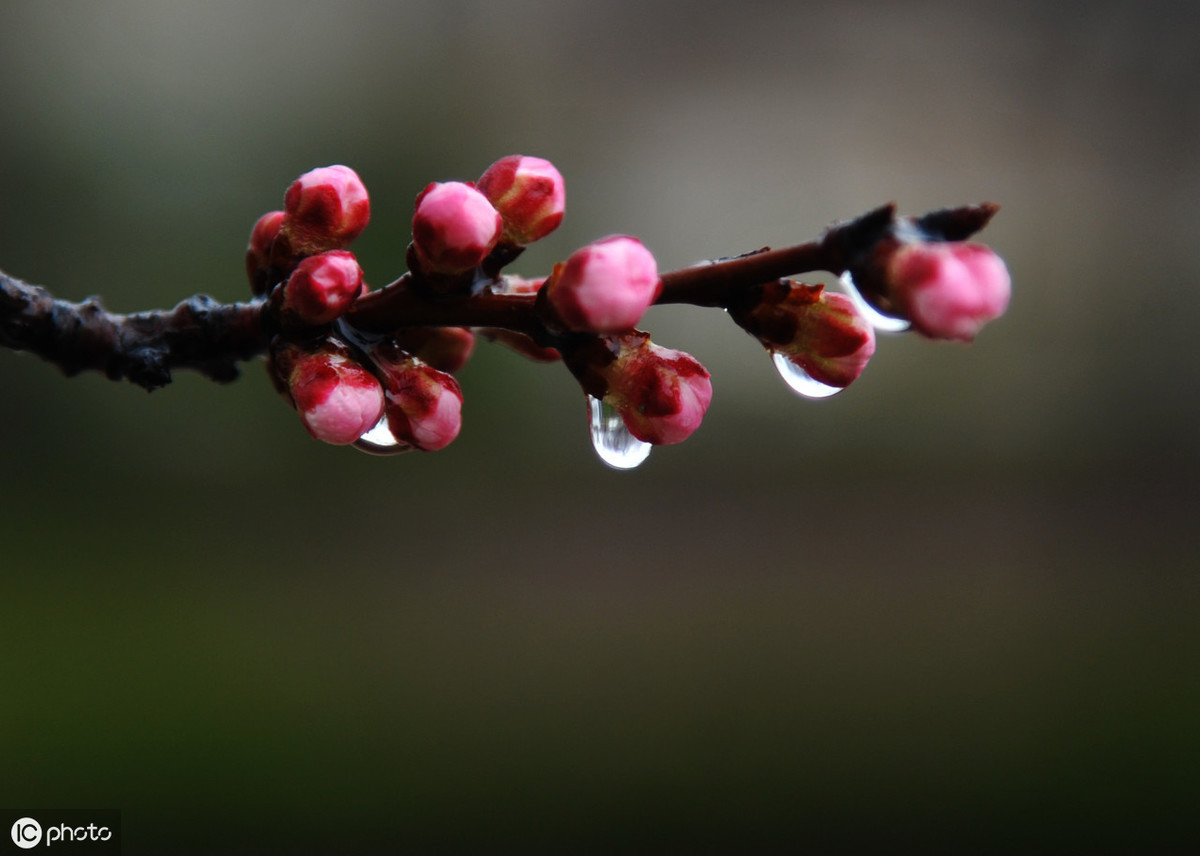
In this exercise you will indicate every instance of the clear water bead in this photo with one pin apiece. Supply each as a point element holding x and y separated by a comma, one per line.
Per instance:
<point>612,440</point>
<point>381,441</point>
<point>801,381</point>
<point>881,322</point>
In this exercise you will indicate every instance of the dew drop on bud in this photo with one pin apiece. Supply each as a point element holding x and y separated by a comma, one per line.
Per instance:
<point>612,440</point>
<point>881,322</point>
<point>381,441</point>
<point>801,381</point>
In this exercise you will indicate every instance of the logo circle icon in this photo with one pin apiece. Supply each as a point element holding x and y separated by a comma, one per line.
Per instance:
<point>26,833</point>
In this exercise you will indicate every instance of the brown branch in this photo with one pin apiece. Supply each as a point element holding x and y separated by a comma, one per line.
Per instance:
<point>198,334</point>
<point>716,283</point>
<point>402,304</point>
<point>210,337</point>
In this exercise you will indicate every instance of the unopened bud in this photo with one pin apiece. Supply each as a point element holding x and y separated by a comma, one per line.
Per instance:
<point>948,290</point>
<point>454,228</point>
<point>817,330</point>
<point>260,250</point>
<point>661,394</point>
<point>529,193</point>
<point>321,288</point>
<point>337,399</point>
<point>325,209</point>
<point>423,405</point>
<point>605,287</point>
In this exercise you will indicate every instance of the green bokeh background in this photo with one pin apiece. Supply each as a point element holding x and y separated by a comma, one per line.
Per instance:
<point>954,606</point>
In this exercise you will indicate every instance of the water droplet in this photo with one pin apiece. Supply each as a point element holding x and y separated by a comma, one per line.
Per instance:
<point>801,381</point>
<point>881,322</point>
<point>612,440</point>
<point>381,441</point>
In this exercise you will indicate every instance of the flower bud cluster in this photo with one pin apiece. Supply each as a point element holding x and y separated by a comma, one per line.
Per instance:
<point>457,225</point>
<point>344,386</point>
<point>324,210</point>
<point>360,373</point>
<point>342,393</point>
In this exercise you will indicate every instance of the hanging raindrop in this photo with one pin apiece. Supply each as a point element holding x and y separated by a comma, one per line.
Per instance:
<point>612,440</point>
<point>881,322</point>
<point>800,381</point>
<point>381,441</point>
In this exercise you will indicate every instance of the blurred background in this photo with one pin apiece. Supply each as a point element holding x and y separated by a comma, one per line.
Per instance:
<point>954,606</point>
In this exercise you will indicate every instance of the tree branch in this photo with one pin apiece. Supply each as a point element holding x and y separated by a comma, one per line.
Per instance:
<point>198,334</point>
<point>203,335</point>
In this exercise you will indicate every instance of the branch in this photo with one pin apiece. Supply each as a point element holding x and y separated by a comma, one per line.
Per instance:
<point>198,334</point>
<point>376,369</point>
<point>203,335</point>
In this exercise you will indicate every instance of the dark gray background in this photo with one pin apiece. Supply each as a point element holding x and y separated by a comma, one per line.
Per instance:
<point>955,604</point>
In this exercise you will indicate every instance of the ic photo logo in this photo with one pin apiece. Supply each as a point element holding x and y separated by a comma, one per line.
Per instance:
<point>26,833</point>
<point>88,831</point>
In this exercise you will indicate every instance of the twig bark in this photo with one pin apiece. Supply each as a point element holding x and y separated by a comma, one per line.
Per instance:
<point>198,334</point>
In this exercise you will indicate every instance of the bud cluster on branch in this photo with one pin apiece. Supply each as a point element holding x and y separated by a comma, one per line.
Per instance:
<point>376,368</point>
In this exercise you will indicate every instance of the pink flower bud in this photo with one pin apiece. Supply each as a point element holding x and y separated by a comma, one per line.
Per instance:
<point>948,290</point>
<point>322,287</point>
<point>833,341</point>
<point>424,405</point>
<point>662,395</point>
<point>260,250</point>
<point>338,400</point>
<point>819,331</point>
<point>530,195</point>
<point>605,287</point>
<point>325,209</point>
<point>454,228</point>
